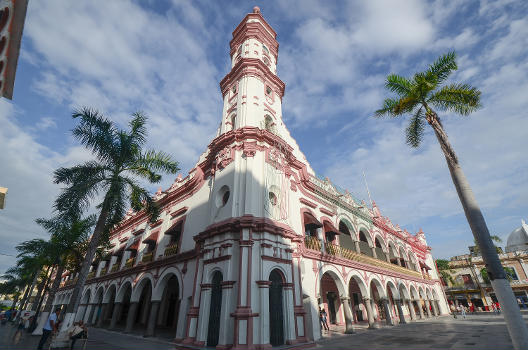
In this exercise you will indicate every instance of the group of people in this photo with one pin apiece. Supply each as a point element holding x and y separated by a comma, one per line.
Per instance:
<point>77,331</point>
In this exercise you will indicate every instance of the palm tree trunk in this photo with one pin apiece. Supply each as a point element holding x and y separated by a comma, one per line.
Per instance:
<point>28,293</point>
<point>41,299</point>
<point>40,289</point>
<point>75,299</point>
<point>49,302</point>
<point>54,288</point>
<point>512,314</point>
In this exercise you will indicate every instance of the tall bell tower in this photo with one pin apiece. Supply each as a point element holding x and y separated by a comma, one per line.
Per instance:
<point>251,91</point>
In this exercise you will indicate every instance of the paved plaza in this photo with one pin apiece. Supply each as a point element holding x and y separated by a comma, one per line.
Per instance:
<point>479,332</point>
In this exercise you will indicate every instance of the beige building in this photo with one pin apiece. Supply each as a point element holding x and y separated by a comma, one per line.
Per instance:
<point>470,284</point>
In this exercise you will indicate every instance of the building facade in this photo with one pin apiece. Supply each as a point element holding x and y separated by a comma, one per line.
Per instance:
<point>468,284</point>
<point>252,244</point>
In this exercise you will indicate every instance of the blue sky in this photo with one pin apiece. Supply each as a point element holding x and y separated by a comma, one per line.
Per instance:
<point>167,58</point>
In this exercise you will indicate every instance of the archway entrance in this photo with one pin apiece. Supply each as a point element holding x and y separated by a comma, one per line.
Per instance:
<point>276,317</point>
<point>356,301</point>
<point>213,331</point>
<point>169,308</point>
<point>144,305</point>
<point>106,314</point>
<point>330,299</point>
<point>121,321</point>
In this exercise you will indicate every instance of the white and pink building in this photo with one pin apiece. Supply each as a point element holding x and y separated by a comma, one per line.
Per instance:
<point>252,244</point>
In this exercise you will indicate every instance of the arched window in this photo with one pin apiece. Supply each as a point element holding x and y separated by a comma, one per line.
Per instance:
<point>380,253</point>
<point>268,124</point>
<point>233,121</point>
<point>213,331</point>
<point>364,246</point>
<point>345,239</point>
<point>276,316</point>
<point>265,49</point>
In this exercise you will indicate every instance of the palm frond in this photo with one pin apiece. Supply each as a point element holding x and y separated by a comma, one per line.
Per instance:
<point>442,67</point>
<point>415,129</point>
<point>399,85</point>
<point>96,132</point>
<point>458,98</point>
<point>138,131</point>
<point>388,107</point>
<point>150,162</point>
<point>140,199</point>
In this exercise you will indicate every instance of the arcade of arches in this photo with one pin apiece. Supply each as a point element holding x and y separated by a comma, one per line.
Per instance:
<point>373,304</point>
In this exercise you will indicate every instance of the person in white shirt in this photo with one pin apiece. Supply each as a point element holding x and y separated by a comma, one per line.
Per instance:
<point>77,331</point>
<point>49,327</point>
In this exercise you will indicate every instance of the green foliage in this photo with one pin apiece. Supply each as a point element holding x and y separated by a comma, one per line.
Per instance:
<point>417,96</point>
<point>120,161</point>
<point>445,271</point>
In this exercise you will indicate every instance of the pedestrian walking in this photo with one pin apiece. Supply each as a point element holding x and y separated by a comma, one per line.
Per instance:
<point>463,311</point>
<point>49,327</point>
<point>323,319</point>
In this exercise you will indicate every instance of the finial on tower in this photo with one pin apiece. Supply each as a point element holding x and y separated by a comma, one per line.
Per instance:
<point>256,9</point>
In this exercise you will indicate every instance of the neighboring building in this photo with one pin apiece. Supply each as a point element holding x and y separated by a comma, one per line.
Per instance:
<point>251,244</point>
<point>3,193</point>
<point>12,17</point>
<point>471,287</point>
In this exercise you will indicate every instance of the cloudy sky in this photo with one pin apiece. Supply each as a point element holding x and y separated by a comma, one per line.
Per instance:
<point>167,58</point>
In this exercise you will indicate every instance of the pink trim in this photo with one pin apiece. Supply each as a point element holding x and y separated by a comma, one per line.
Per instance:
<point>179,212</point>
<point>308,203</point>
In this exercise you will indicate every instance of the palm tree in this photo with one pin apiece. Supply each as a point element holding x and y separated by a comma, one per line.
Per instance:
<point>120,160</point>
<point>67,235</point>
<point>419,96</point>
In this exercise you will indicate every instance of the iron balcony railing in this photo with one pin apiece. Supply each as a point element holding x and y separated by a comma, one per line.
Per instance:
<point>171,250</point>
<point>338,251</point>
<point>147,257</point>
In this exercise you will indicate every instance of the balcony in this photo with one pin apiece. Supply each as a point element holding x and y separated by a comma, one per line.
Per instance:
<point>115,268</point>
<point>130,262</point>
<point>312,243</point>
<point>171,250</point>
<point>344,253</point>
<point>90,275</point>
<point>147,257</point>
<point>103,271</point>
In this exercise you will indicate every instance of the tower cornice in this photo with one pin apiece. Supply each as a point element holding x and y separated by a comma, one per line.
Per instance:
<point>255,26</point>
<point>252,67</point>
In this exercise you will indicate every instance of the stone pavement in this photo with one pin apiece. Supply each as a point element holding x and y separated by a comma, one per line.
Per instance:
<point>478,332</point>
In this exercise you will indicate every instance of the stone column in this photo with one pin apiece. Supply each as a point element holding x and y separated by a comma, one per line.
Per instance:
<point>400,311</point>
<point>91,312</point>
<point>116,315</point>
<point>154,307</point>
<point>370,314</point>
<point>374,254</point>
<point>227,325</point>
<point>398,261</point>
<point>264,311</point>
<point>388,315</point>
<point>356,245</point>
<point>387,257</point>
<point>420,308</point>
<point>411,310</point>
<point>104,308</point>
<point>289,318</point>
<point>437,307</point>
<point>348,315</point>
<point>428,308</point>
<point>88,314</point>
<point>131,317</point>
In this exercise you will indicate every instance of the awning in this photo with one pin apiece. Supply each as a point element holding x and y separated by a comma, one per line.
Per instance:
<point>134,245</point>
<point>152,238</point>
<point>311,222</point>
<point>175,229</point>
<point>120,250</point>
<point>330,228</point>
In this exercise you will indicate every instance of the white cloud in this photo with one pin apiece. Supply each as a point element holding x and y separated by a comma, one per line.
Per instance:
<point>46,123</point>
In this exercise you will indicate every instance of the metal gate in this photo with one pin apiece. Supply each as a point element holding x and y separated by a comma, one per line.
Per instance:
<point>213,331</point>
<point>275,309</point>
